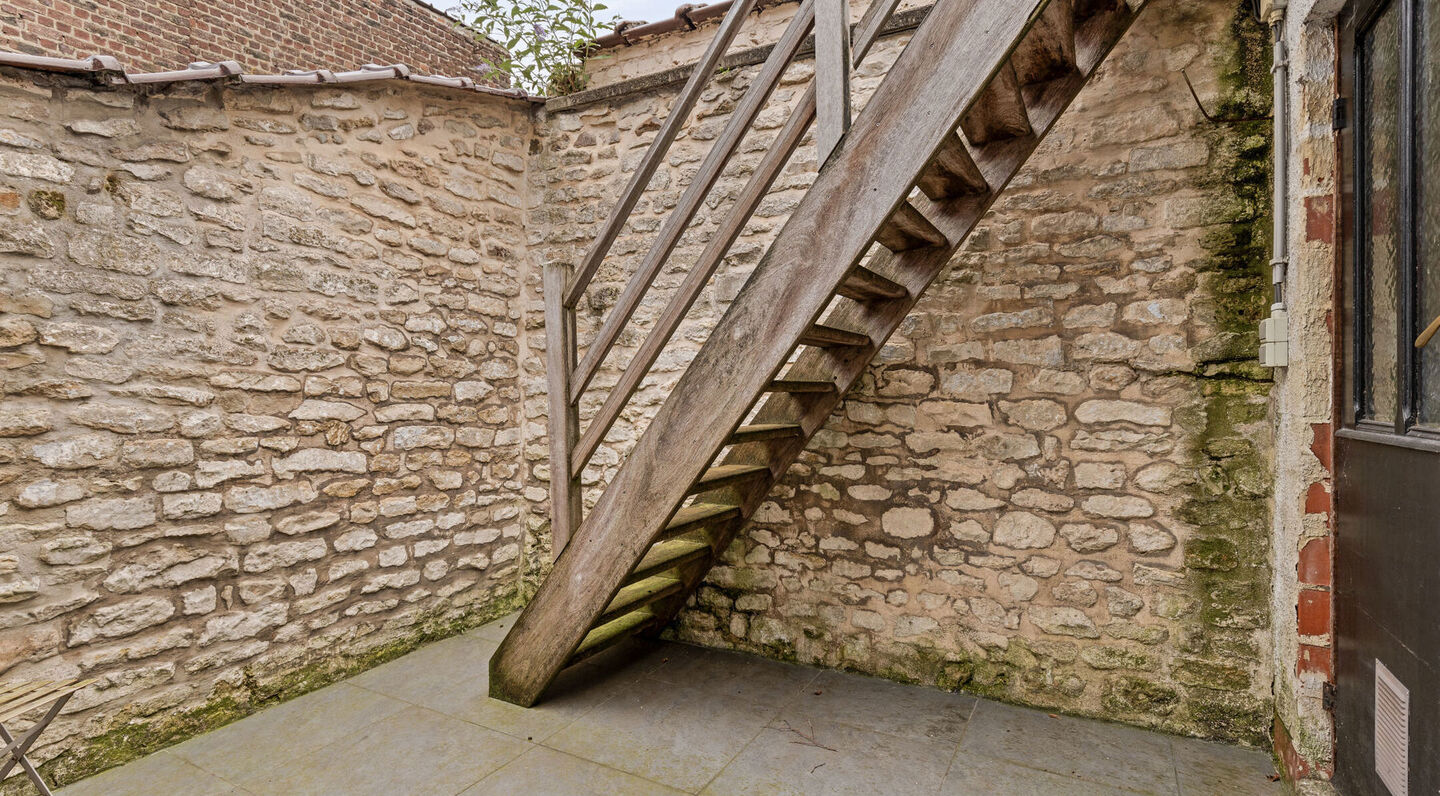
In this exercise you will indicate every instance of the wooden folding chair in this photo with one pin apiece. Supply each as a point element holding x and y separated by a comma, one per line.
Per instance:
<point>17,699</point>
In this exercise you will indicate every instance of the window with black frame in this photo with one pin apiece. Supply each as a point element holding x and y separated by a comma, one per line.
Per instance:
<point>1427,212</point>
<point>1397,217</point>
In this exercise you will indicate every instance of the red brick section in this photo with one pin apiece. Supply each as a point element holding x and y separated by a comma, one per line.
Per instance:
<point>1314,611</point>
<point>1320,219</point>
<point>1315,569</point>
<point>1296,767</point>
<point>265,36</point>
<point>1319,660</point>
<point>1315,562</point>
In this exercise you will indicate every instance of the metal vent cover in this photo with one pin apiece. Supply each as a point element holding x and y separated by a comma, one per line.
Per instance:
<point>1392,731</point>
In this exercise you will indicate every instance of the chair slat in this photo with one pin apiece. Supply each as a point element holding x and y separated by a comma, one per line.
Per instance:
<point>14,691</point>
<point>38,695</point>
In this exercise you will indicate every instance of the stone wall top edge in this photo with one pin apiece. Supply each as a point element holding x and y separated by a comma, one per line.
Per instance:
<point>899,23</point>
<point>102,72</point>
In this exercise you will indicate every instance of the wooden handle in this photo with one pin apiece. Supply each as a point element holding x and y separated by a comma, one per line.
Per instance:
<point>1428,333</point>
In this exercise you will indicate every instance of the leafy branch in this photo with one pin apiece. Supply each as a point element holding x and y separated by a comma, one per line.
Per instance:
<point>545,41</point>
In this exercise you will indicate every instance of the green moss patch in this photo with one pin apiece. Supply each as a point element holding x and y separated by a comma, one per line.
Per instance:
<point>1228,504</point>
<point>133,737</point>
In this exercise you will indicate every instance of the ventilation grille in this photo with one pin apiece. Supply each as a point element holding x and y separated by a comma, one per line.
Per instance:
<point>1392,731</point>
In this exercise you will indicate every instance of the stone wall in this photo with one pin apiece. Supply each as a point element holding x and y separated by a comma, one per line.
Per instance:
<point>651,54</point>
<point>260,358</point>
<point>274,408</point>
<point>1053,486</point>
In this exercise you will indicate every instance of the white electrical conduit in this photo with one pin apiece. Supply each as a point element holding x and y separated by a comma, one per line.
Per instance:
<point>1274,11</point>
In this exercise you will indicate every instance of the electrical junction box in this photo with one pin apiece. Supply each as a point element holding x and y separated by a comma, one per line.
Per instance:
<point>1275,340</point>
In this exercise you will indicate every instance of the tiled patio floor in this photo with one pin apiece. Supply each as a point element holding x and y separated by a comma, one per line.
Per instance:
<point>666,719</point>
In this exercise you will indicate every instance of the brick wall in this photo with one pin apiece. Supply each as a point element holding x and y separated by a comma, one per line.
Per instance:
<point>265,36</point>
<point>261,365</point>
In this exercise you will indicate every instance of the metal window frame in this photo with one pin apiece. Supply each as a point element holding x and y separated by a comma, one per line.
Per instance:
<point>1359,413</point>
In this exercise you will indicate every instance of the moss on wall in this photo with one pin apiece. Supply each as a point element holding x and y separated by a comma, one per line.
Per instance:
<point>1201,672</point>
<point>1227,503</point>
<point>133,736</point>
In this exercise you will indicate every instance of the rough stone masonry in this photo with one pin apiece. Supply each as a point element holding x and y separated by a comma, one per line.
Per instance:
<point>272,366</point>
<point>1052,486</point>
<point>260,352</point>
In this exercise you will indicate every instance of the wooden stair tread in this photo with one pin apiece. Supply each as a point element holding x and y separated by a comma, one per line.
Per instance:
<point>606,635</point>
<point>999,112</point>
<point>908,229</point>
<point>952,173</point>
<point>801,386</point>
<point>763,431</point>
<point>669,554</point>
<point>726,475</point>
<point>862,284</point>
<point>934,88</point>
<point>697,514</point>
<point>822,336</point>
<point>1084,9</point>
<point>638,594</point>
<point>1048,51</point>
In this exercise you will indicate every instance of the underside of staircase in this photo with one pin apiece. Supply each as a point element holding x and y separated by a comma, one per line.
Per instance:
<point>976,89</point>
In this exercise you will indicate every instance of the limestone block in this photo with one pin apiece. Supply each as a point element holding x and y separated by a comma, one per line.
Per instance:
<point>1023,530</point>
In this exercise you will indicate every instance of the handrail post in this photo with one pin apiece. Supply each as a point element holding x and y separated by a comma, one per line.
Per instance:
<point>565,498</point>
<point>832,75</point>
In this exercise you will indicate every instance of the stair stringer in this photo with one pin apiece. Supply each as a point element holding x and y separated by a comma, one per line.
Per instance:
<point>999,163</point>
<point>867,178</point>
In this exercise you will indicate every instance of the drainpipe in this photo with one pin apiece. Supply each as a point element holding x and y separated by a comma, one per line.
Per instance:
<point>1274,330</point>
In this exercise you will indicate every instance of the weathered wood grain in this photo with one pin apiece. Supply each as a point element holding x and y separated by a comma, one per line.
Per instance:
<point>952,172</point>
<point>1048,50</point>
<point>775,158</point>
<point>694,195</point>
<point>1000,112</point>
<point>655,155</point>
<point>908,228</point>
<point>935,80</point>
<point>532,654</point>
<point>565,499</point>
<point>863,284</point>
<point>832,75</point>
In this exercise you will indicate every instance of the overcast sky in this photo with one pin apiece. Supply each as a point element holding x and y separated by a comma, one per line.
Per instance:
<point>648,10</point>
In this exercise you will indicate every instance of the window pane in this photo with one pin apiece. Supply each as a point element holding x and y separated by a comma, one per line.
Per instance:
<point>1427,241</point>
<point>1380,239</point>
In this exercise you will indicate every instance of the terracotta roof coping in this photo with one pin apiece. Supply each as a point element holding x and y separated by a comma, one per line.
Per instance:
<point>108,69</point>
<point>687,17</point>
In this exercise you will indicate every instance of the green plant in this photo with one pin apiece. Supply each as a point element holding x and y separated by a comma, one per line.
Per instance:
<point>545,41</point>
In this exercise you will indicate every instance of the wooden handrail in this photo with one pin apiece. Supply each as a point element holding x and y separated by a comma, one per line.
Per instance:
<point>569,450</point>
<point>775,158</point>
<point>1424,338</point>
<point>694,196</point>
<point>655,155</point>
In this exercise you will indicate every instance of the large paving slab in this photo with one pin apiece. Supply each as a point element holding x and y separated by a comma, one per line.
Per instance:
<point>659,719</point>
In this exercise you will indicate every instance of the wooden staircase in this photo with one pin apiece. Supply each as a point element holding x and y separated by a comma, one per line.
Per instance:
<point>979,85</point>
